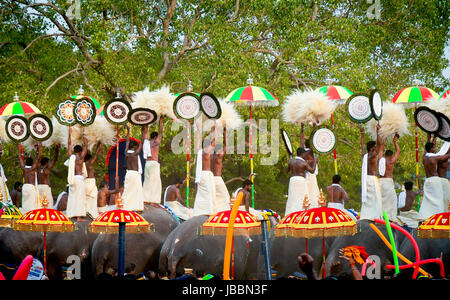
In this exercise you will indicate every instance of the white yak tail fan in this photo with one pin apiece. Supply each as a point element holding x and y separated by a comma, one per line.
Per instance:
<point>100,131</point>
<point>441,105</point>
<point>160,100</point>
<point>394,121</point>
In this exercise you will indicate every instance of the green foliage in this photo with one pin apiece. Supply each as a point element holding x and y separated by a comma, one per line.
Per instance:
<point>128,45</point>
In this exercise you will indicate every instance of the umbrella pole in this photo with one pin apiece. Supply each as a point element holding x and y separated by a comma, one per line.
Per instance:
<point>188,145</point>
<point>334,151</point>
<point>266,248</point>
<point>306,245</point>
<point>323,257</point>
<point>417,159</point>
<point>45,252</point>
<point>251,159</point>
<point>121,262</point>
<point>117,160</point>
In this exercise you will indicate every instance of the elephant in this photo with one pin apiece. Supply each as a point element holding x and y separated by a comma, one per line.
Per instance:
<point>15,246</point>
<point>141,249</point>
<point>187,247</point>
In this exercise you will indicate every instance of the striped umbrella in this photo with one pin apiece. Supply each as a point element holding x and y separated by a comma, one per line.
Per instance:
<point>252,96</point>
<point>18,108</point>
<point>446,93</point>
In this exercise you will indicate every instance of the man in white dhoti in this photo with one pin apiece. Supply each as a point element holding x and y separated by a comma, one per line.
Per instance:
<point>204,177</point>
<point>3,187</point>
<point>371,207</point>
<point>433,194</point>
<point>30,194</point>
<point>173,200</point>
<point>337,196</point>
<point>386,170</point>
<point>442,172</point>
<point>311,178</point>
<point>103,193</point>
<point>90,184</point>
<point>43,176</point>
<point>222,199</point>
<point>298,188</point>
<point>133,194</point>
<point>76,201</point>
<point>407,214</point>
<point>152,181</point>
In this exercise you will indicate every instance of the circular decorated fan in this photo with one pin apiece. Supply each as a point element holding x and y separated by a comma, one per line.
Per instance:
<point>427,119</point>
<point>287,141</point>
<point>17,128</point>
<point>444,133</point>
<point>84,111</point>
<point>40,127</point>
<point>358,107</point>
<point>210,106</point>
<point>376,105</point>
<point>323,140</point>
<point>186,106</point>
<point>116,111</point>
<point>142,116</point>
<point>64,112</point>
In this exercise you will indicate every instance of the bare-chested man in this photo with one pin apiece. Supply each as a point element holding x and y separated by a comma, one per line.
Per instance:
<point>370,186</point>
<point>433,194</point>
<point>61,201</point>
<point>407,214</point>
<point>43,176</point>
<point>30,194</point>
<point>152,182</point>
<point>386,170</point>
<point>133,194</point>
<point>90,184</point>
<point>442,171</point>
<point>16,194</point>
<point>206,189</point>
<point>76,202</point>
<point>337,196</point>
<point>174,201</point>
<point>298,188</point>
<point>103,193</point>
<point>3,187</point>
<point>222,200</point>
<point>311,178</point>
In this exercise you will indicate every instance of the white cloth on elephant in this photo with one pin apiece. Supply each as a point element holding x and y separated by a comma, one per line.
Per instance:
<point>433,198</point>
<point>296,194</point>
<point>371,207</point>
<point>45,189</point>
<point>30,198</point>
<point>446,191</point>
<point>133,194</point>
<point>409,218</point>
<point>76,202</point>
<point>253,211</point>
<point>340,206</point>
<point>3,187</point>
<point>388,198</point>
<point>313,190</point>
<point>401,199</point>
<point>152,182</point>
<point>206,193</point>
<point>222,199</point>
<point>180,210</point>
<point>91,197</point>
<point>382,166</point>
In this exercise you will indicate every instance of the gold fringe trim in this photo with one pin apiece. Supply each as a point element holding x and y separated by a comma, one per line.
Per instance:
<point>433,234</point>
<point>223,231</point>
<point>115,229</point>
<point>43,228</point>
<point>6,223</point>
<point>311,233</point>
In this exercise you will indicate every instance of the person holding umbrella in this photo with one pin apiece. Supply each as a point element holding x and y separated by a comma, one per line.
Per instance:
<point>30,194</point>
<point>43,175</point>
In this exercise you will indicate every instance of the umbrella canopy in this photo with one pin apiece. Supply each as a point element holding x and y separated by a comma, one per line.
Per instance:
<point>108,222</point>
<point>435,227</point>
<point>284,227</point>
<point>8,214</point>
<point>44,220</point>
<point>335,92</point>
<point>446,93</point>
<point>252,95</point>
<point>97,104</point>
<point>414,94</point>
<point>245,224</point>
<point>18,108</point>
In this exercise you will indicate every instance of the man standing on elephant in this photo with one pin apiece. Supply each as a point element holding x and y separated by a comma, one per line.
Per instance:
<point>30,194</point>
<point>311,178</point>
<point>433,194</point>
<point>222,199</point>
<point>152,180</point>
<point>386,170</point>
<point>298,189</point>
<point>371,207</point>
<point>44,176</point>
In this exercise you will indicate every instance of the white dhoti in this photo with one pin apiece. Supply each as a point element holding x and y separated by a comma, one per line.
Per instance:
<point>222,199</point>
<point>152,182</point>
<point>313,190</point>
<point>30,199</point>
<point>4,190</point>
<point>340,206</point>
<point>133,194</point>
<point>91,197</point>
<point>206,193</point>
<point>179,210</point>
<point>433,198</point>
<point>388,198</point>
<point>409,218</point>
<point>101,209</point>
<point>76,202</point>
<point>371,207</point>
<point>253,211</point>
<point>45,190</point>
<point>296,194</point>
<point>446,191</point>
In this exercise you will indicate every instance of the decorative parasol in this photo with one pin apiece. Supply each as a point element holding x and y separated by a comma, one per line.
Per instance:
<point>340,94</point>
<point>18,108</point>
<point>415,95</point>
<point>44,220</point>
<point>98,106</point>
<point>435,227</point>
<point>120,221</point>
<point>251,96</point>
<point>446,93</point>
<point>245,224</point>
<point>9,214</point>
